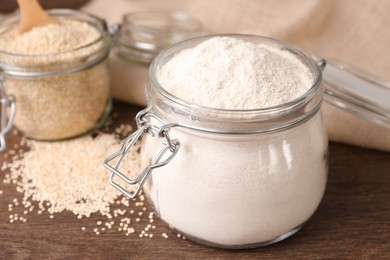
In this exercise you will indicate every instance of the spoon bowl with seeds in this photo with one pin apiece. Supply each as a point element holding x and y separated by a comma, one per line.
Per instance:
<point>32,15</point>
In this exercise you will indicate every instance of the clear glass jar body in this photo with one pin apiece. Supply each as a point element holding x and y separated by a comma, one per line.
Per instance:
<point>141,37</point>
<point>240,191</point>
<point>62,95</point>
<point>240,178</point>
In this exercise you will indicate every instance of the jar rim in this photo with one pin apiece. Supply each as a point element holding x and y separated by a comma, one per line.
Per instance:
<point>28,65</point>
<point>143,35</point>
<point>58,13</point>
<point>317,82</point>
<point>177,16</point>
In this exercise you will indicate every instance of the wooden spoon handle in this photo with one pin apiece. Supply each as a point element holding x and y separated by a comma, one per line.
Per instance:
<point>32,15</point>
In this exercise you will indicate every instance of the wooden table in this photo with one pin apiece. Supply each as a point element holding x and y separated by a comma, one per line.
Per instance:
<point>352,222</point>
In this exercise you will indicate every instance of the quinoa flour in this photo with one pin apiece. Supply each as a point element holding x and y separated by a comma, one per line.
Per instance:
<point>236,190</point>
<point>229,73</point>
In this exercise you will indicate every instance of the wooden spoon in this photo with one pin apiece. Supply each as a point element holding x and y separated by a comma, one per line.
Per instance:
<point>32,15</point>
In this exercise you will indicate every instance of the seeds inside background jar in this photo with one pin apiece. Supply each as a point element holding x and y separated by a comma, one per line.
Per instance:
<point>63,105</point>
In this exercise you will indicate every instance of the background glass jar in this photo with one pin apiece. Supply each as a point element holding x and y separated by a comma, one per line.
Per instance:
<point>231,178</point>
<point>139,39</point>
<point>60,95</point>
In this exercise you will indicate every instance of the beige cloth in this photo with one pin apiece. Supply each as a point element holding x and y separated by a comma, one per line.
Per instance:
<point>352,31</point>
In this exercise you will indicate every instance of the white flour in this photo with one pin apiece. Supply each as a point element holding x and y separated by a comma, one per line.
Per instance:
<point>229,73</point>
<point>237,190</point>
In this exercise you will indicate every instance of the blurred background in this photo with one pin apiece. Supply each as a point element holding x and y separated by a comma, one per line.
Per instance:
<point>352,31</point>
<point>8,6</point>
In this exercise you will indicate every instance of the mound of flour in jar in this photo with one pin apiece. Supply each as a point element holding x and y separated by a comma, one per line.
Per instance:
<point>229,73</point>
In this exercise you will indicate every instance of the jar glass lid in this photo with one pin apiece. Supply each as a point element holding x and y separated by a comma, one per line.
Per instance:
<point>144,35</point>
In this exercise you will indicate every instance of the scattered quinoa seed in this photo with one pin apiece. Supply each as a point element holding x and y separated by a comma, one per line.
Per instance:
<point>39,175</point>
<point>76,164</point>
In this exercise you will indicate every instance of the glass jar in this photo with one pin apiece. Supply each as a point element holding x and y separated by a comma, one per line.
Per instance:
<point>60,95</point>
<point>140,38</point>
<point>230,178</point>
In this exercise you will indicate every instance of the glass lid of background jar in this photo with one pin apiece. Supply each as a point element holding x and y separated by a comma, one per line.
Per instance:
<point>143,35</point>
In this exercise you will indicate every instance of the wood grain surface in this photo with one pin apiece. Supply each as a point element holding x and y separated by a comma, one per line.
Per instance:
<point>352,222</point>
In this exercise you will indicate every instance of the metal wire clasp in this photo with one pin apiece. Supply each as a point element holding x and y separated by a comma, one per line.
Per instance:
<point>169,150</point>
<point>6,101</point>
